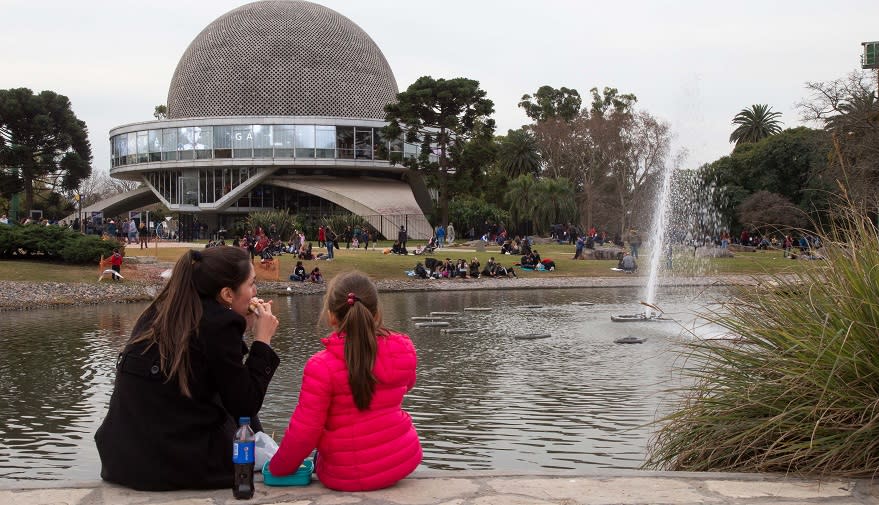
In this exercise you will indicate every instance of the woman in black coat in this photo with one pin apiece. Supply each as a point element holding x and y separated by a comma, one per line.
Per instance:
<point>182,381</point>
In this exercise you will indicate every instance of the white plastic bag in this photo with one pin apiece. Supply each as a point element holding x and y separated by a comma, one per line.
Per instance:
<point>265,449</point>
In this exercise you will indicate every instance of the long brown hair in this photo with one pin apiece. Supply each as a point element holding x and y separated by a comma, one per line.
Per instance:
<point>353,300</point>
<point>173,317</point>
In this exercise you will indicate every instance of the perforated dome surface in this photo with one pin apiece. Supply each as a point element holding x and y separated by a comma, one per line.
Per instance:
<point>282,58</point>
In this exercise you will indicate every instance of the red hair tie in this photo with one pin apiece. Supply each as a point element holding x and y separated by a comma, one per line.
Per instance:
<point>352,298</point>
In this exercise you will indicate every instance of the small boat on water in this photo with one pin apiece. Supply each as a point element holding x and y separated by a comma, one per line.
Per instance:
<point>444,313</point>
<point>629,340</point>
<point>427,318</point>
<point>477,309</point>
<point>637,318</point>
<point>583,304</point>
<point>430,324</point>
<point>456,331</point>
<point>532,336</point>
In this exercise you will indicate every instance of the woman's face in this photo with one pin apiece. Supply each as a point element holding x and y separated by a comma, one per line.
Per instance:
<point>242,295</point>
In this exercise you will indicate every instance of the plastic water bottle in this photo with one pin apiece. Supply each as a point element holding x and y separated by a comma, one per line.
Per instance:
<point>243,447</point>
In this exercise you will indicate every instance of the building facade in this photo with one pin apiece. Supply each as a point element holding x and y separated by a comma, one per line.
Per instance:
<point>277,104</point>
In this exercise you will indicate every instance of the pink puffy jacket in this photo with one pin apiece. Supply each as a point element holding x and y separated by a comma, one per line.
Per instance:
<point>357,451</point>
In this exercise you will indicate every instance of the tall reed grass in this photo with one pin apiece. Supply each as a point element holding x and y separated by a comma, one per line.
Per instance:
<point>800,391</point>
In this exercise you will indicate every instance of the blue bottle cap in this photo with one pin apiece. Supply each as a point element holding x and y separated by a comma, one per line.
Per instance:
<point>243,420</point>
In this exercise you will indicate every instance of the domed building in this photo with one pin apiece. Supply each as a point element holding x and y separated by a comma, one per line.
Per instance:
<point>277,104</point>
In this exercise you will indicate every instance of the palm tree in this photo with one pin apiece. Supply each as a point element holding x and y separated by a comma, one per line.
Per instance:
<point>518,154</point>
<point>522,196</point>
<point>555,202</point>
<point>160,112</point>
<point>755,123</point>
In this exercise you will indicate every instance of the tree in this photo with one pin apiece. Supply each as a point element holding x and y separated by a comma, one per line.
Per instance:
<point>100,186</point>
<point>160,112</point>
<point>522,195</point>
<point>847,108</point>
<point>610,100</point>
<point>549,103</point>
<point>767,212</point>
<point>518,154</point>
<point>647,141</point>
<point>555,202</point>
<point>42,139</point>
<point>755,123</point>
<point>440,115</point>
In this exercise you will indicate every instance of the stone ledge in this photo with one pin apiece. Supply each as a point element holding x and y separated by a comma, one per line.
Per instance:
<point>490,488</point>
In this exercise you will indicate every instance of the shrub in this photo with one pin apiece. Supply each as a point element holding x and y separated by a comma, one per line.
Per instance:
<point>798,394</point>
<point>88,249</point>
<point>339,222</point>
<point>284,222</point>
<point>53,243</point>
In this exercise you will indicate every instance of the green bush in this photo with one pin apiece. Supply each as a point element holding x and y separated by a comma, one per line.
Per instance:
<point>798,391</point>
<point>469,212</point>
<point>53,243</point>
<point>284,222</point>
<point>339,222</point>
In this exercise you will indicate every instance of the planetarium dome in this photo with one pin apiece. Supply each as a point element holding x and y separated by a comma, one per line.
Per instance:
<point>282,58</point>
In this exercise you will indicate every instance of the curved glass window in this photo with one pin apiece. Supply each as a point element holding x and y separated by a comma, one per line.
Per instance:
<point>169,144</point>
<point>363,144</point>
<point>155,145</point>
<point>256,141</point>
<point>262,141</point>
<point>345,142</point>
<point>143,147</point>
<point>222,142</point>
<point>325,141</point>
<point>242,141</point>
<point>284,136</point>
<point>131,148</point>
<point>305,141</point>
<point>204,142</point>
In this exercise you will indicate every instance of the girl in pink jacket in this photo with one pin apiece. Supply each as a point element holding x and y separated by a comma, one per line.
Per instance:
<point>350,404</point>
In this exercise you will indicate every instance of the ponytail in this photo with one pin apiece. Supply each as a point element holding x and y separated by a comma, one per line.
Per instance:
<point>353,300</point>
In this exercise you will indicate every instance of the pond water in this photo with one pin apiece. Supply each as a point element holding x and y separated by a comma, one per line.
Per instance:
<point>483,401</point>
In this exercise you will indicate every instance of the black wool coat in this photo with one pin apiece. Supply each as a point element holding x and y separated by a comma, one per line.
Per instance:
<point>154,438</point>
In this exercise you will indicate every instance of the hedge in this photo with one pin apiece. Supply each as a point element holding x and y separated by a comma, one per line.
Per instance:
<point>36,241</point>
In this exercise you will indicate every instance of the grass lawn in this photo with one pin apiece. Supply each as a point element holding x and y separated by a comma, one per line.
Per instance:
<point>389,266</point>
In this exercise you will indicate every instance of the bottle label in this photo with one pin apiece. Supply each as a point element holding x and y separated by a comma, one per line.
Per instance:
<point>242,452</point>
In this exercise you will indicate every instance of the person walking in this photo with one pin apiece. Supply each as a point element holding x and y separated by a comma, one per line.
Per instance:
<point>440,235</point>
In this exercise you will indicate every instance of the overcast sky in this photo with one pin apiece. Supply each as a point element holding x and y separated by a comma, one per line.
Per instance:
<point>694,64</point>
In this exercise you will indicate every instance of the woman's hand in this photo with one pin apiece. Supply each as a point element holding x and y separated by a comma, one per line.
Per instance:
<point>262,322</point>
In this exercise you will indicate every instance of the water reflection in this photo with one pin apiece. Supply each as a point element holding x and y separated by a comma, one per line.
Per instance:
<point>483,400</point>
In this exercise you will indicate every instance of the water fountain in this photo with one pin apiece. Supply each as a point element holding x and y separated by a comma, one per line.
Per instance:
<point>658,233</point>
<point>692,215</point>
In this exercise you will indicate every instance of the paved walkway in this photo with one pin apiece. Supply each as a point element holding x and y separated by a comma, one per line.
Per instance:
<point>470,488</point>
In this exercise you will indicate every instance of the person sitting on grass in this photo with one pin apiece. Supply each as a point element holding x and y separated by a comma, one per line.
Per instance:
<point>462,268</point>
<point>298,272</point>
<point>474,268</point>
<point>627,263</point>
<point>528,261</point>
<point>490,269</point>
<point>315,276</point>
<point>420,271</point>
<point>398,248</point>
